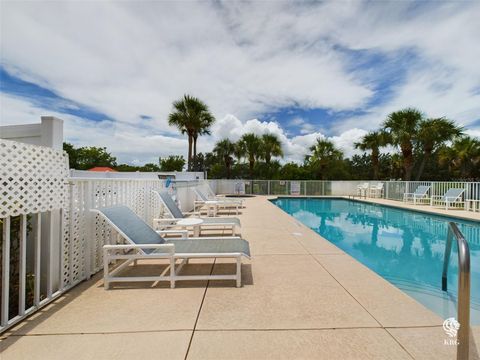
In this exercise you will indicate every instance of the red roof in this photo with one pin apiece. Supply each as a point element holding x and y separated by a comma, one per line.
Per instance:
<point>102,169</point>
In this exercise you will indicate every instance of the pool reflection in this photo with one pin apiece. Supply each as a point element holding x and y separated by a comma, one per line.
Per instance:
<point>404,247</point>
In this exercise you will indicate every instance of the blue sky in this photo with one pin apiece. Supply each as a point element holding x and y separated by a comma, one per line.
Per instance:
<point>299,70</point>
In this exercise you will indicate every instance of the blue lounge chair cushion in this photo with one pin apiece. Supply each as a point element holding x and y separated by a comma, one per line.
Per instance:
<point>453,193</point>
<point>422,190</point>
<point>132,226</point>
<point>140,233</point>
<point>211,246</point>
<point>170,204</point>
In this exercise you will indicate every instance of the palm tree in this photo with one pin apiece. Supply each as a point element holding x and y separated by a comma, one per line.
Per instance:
<point>324,153</point>
<point>252,145</point>
<point>433,133</point>
<point>192,117</point>
<point>239,150</point>
<point>224,149</point>
<point>464,154</point>
<point>202,127</point>
<point>373,141</point>
<point>271,146</point>
<point>402,129</point>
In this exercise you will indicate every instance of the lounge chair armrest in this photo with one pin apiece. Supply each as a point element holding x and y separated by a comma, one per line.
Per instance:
<point>183,233</point>
<point>165,221</point>
<point>195,213</point>
<point>216,238</point>
<point>452,198</point>
<point>219,217</point>
<point>169,247</point>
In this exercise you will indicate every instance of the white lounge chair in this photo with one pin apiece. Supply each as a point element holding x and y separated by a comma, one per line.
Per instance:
<point>453,198</point>
<point>145,243</point>
<point>376,191</point>
<point>175,215</point>
<point>212,196</point>
<point>217,203</point>
<point>419,195</point>
<point>362,189</point>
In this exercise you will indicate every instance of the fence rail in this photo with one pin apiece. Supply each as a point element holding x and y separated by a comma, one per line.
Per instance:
<point>392,190</point>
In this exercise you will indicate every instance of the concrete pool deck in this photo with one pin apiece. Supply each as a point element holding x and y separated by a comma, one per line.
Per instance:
<point>302,298</point>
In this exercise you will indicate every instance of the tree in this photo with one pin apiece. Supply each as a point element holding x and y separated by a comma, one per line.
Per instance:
<point>202,127</point>
<point>402,129</point>
<point>206,161</point>
<point>150,167</point>
<point>373,141</point>
<point>239,151</point>
<point>252,145</point>
<point>85,158</point>
<point>432,134</point>
<point>172,163</point>
<point>463,155</point>
<point>293,171</point>
<point>72,155</point>
<point>271,146</point>
<point>224,149</point>
<point>192,117</point>
<point>324,155</point>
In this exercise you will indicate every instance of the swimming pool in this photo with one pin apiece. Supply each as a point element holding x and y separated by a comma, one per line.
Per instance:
<point>404,247</point>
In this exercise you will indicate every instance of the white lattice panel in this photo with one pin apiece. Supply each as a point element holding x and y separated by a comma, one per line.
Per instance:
<point>89,232</point>
<point>32,178</point>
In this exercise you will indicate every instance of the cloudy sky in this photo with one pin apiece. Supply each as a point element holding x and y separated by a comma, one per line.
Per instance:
<point>301,70</point>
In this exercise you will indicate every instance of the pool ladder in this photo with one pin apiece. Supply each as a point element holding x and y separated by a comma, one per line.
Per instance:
<point>463,306</point>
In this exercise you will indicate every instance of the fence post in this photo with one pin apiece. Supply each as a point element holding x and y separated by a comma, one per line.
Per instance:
<point>431,193</point>
<point>268,187</point>
<point>89,203</point>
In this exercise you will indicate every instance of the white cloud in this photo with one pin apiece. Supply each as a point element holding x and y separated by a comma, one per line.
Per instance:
<point>304,127</point>
<point>294,148</point>
<point>131,58</point>
<point>128,142</point>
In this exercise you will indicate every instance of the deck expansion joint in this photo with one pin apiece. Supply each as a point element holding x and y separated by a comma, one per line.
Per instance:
<point>199,311</point>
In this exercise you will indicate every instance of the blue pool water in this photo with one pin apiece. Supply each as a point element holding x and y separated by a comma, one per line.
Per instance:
<point>404,247</point>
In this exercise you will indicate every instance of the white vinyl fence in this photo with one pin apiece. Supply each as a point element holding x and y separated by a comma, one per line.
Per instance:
<point>34,194</point>
<point>50,241</point>
<point>393,190</point>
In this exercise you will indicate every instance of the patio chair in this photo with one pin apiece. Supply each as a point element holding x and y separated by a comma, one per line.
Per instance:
<point>362,189</point>
<point>175,215</point>
<point>146,243</point>
<point>376,191</point>
<point>212,196</point>
<point>222,203</point>
<point>453,198</point>
<point>420,194</point>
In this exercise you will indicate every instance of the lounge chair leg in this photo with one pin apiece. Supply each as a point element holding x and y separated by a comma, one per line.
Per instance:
<point>105,269</point>
<point>239,271</point>
<point>172,273</point>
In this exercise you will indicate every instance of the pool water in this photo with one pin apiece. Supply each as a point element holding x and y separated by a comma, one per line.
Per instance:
<point>404,247</point>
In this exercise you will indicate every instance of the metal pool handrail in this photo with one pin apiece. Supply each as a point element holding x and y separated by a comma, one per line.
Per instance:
<point>463,307</point>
